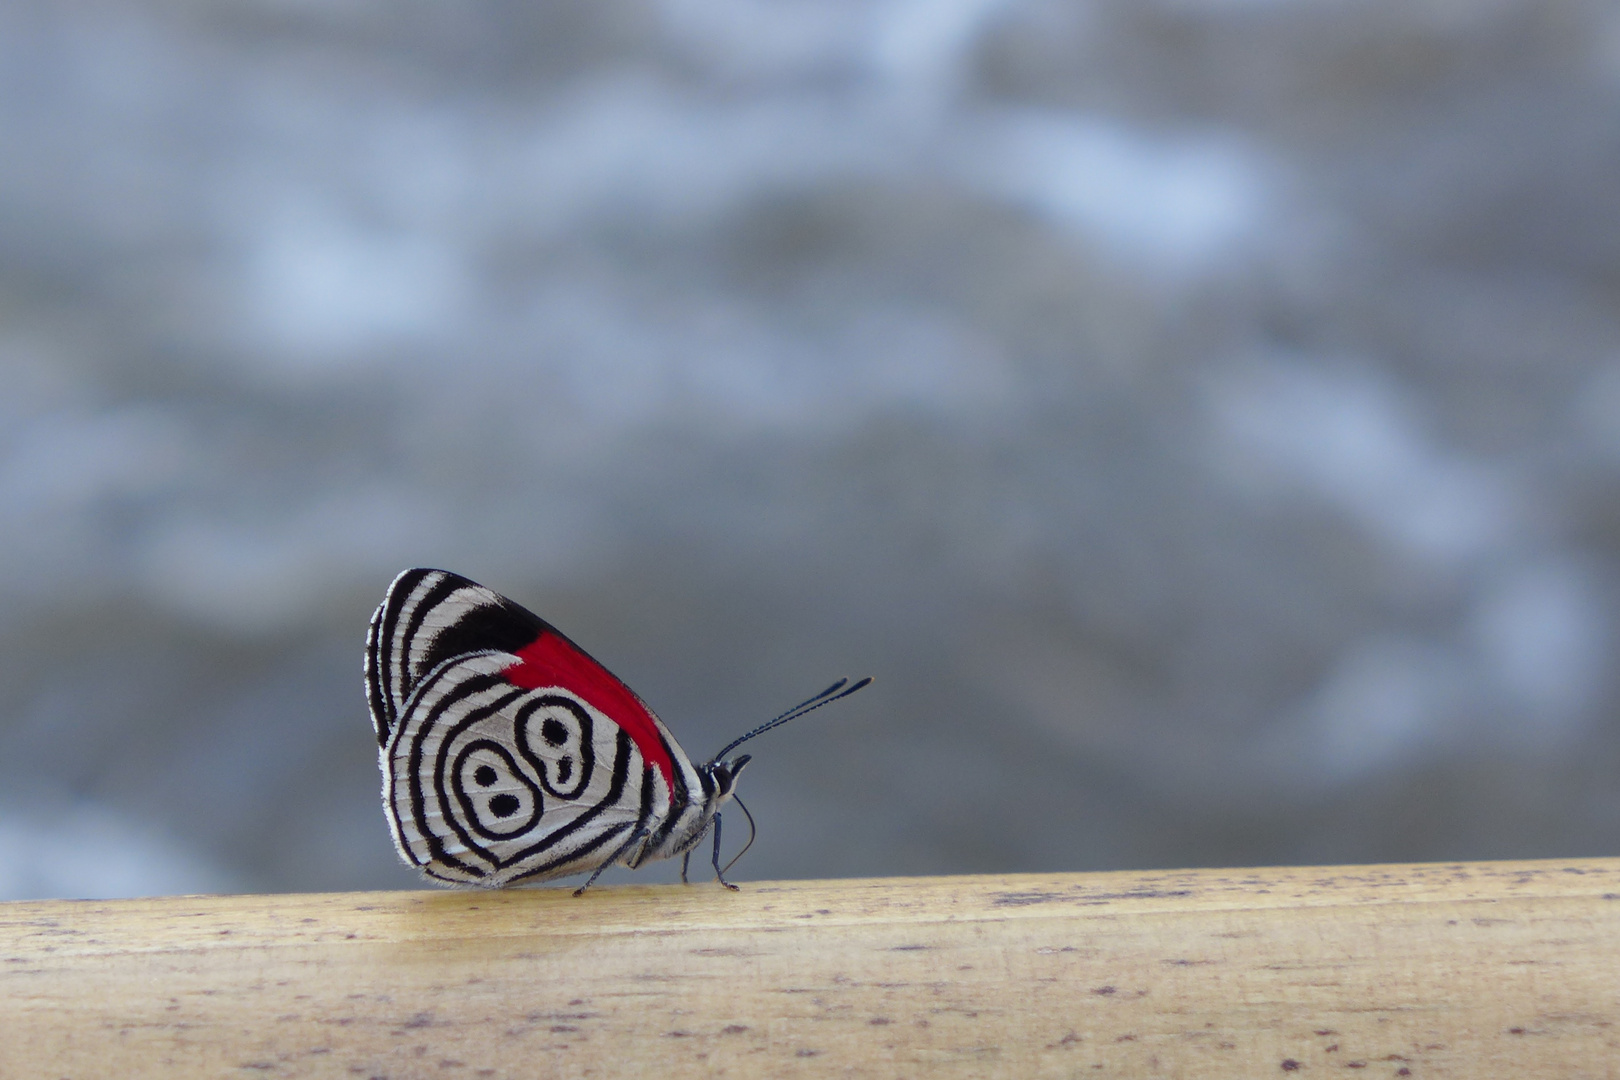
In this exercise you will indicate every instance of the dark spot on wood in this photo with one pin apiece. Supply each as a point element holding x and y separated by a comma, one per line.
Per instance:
<point>908,948</point>
<point>1515,1031</point>
<point>1022,899</point>
<point>1140,894</point>
<point>806,1053</point>
<point>1331,1049</point>
<point>1126,1038</point>
<point>1611,896</point>
<point>561,1029</point>
<point>1290,1065</point>
<point>1355,1064</point>
<point>1104,991</point>
<point>1327,1031</point>
<point>879,1021</point>
<point>733,1029</point>
<point>677,1034</point>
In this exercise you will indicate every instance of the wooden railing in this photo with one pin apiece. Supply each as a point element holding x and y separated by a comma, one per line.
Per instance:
<point>1485,970</point>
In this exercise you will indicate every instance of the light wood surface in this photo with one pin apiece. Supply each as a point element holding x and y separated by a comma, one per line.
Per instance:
<point>1465,970</point>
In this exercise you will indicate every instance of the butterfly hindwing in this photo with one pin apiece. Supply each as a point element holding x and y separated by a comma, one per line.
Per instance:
<point>488,783</point>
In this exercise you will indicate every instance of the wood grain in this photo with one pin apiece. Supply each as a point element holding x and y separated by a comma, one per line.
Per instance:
<point>1463,970</point>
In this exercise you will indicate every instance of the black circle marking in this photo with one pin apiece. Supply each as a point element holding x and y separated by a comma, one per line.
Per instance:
<point>561,724</point>
<point>514,808</point>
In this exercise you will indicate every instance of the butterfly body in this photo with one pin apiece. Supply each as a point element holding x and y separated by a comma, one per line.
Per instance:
<point>509,755</point>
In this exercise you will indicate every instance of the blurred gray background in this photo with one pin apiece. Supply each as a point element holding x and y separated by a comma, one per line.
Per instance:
<point>1202,416</point>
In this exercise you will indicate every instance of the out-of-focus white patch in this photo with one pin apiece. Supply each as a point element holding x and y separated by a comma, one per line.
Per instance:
<point>1168,204</point>
<point>1221,7</point>
<point>923,46</point>
<point>614,364</point>
<point>1344,434</point>
<point>65,475</point>
<point>1606,43</point>
<point>1386,700</point>
<point>1543,636</point>
<point>40,376</point>
<point>916,47</point>
<point>86,851</point>
<point>269,573</point>
<point>1525,671</point>
<point>775,40</point>
<point>1597,410</point>
<point>630,148</point>
<point>62,460</point>
<point>327,290</point>
<point>883,360</point>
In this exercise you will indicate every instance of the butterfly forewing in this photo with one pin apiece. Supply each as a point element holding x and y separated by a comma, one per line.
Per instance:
<point>430,616</point>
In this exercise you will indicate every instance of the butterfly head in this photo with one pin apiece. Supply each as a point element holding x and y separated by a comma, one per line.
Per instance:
<point>725,775</point>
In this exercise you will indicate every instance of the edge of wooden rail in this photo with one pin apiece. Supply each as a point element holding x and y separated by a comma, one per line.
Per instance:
<point>1403,969</point>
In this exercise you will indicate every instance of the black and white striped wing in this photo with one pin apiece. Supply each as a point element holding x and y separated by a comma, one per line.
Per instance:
<point>488,783</point>
<point>507,753</point>
<point>428,617</point>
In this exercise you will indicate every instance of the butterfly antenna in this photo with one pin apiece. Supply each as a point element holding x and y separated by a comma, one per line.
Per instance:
<point>751,834</point>
<point>826,697</point>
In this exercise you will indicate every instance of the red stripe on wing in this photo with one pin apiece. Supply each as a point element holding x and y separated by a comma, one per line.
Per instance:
<point>553,660</point>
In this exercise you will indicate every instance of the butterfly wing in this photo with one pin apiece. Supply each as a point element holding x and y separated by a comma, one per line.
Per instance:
<point>428,617</point>
<point>508,754</point>
<point>487,783</point>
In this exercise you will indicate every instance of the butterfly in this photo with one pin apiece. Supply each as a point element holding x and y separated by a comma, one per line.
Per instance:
<point>510,756</point>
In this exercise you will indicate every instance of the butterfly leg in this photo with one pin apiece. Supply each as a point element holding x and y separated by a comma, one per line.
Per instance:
<point>685,859</point>
<point>635,837</point>
<point>719,874</point>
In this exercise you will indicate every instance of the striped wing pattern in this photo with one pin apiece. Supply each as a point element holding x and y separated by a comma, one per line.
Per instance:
<point>494,774</point>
